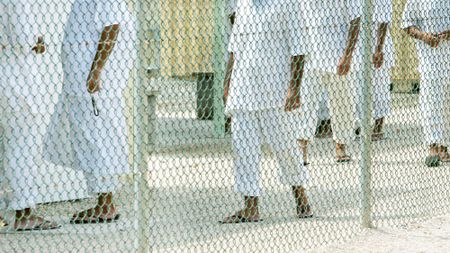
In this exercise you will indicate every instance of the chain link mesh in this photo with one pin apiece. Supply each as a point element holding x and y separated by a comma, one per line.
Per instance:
<point>220,126</point>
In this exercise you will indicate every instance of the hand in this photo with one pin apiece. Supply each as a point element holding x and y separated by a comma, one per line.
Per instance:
<point>378,59</point>
<point>344,65</point>
<point>94,83</point>
<point>39,48</point>
<point>292,100</point>
<point>444,36</point>
<point>432,40</point>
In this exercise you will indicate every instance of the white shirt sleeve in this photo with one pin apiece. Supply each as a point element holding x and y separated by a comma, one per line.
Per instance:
<point>23,24</point>
<point>297,31</point>
<point>382,11</point>
<point>354,9</point>
<point>232,47</point>
<point>231,7</point>
<point>411,15</point>
<point>109,12</point>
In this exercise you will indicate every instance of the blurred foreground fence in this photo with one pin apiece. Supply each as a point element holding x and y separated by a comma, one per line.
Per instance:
<point>220,126</point>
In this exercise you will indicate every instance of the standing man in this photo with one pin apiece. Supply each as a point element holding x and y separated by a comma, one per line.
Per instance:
<point>334,33</point>
<point>429,23</point>
<point>19,155</point>
<point>267,50</point>
<point>88,129</point>
<point>383,61</point>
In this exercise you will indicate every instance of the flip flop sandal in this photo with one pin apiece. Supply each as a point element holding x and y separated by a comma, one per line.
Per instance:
<point>45,225</point>
<point>378,137</point>
<point>237,219</point>
<point>343,159</point>
<point>305,212</point>
<point>94,220</point>
<point>445,159</point>
<point>433,161</point>
<point>109,220</point>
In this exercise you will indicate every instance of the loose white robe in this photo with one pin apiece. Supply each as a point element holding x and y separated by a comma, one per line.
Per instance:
<point>265,36</point>
<point>381,95</point>
<point>76,138</point>
<point>328,25</point>
<point>19,154</point>
<point>432,17</point>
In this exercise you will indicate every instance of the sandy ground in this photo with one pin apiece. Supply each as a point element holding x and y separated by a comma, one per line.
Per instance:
<point>432,236</point>
<point>192,190</point>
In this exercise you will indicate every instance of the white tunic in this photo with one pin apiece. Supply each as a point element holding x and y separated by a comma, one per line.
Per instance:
<point>18,130</point>
<point>380,77</point>
<point>328,22</point>
<point>18,34</point>
<point>76,138</point>
<point>266,34</point>
<point>432,17</point>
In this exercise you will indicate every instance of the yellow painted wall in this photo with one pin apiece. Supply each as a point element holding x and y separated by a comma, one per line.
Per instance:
<point>187,36</point>
<point>405,72</point>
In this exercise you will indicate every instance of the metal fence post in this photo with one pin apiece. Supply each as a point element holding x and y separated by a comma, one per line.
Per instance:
<point>366,161</point>
<point>142,189</point>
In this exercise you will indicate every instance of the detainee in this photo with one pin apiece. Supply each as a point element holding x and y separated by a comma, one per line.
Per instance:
<point>429,23</point>
<point>19,154</point>
<point>267,49</point>
<point>88,129</point>
<point>333,67</point>
<point>383,60</point>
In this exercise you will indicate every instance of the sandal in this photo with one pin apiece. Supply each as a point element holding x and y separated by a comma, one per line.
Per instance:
<point>304,212</point>
<point>44,225</point>
<point>343,159</point>
<point>80,219</point>
<point>378,136</point>
<point>433,161</point>
<point>238,219</point>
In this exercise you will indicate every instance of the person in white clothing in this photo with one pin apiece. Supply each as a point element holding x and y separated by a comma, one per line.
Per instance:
<point>268,47</point>
<point>429,23</point>
<point>383,61</point>
<point>88,129</point>
<point>334,31</point>
<point>19,155</point>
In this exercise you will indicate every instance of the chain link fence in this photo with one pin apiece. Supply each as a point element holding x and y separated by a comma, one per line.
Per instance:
<point>220,126</point>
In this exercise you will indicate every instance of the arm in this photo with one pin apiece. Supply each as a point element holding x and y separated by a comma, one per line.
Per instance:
<point>227,81</point>
<point>105,46</point>
<point>430,39</point>
<point>378,57</point>
<point>297,68</point>
<point>24,29</point>
<point>352,39</point>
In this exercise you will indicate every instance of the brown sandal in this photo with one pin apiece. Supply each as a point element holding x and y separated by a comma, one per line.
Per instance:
<point>304,212</point>
<point>237,219</point>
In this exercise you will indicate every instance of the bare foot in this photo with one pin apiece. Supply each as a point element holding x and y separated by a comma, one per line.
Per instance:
<point>26,221</point>
<point>341,155</point>
<point>433,159</point>
<point>444,154</point>
<point>249,214</point>
<point>304,149</point>
<point>104,212</point>
<point>303,208</point>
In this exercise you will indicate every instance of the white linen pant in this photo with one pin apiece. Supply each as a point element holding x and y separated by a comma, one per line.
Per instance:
<point>250,130</point>
<point>19,159</point>
<point>381,95</point>
<point>435,108</point>
<point>341,95</point>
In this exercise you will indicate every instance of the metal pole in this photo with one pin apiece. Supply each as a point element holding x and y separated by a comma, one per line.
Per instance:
<point>142,189</point>
<point>219,65</point>
<point>366,130</point>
